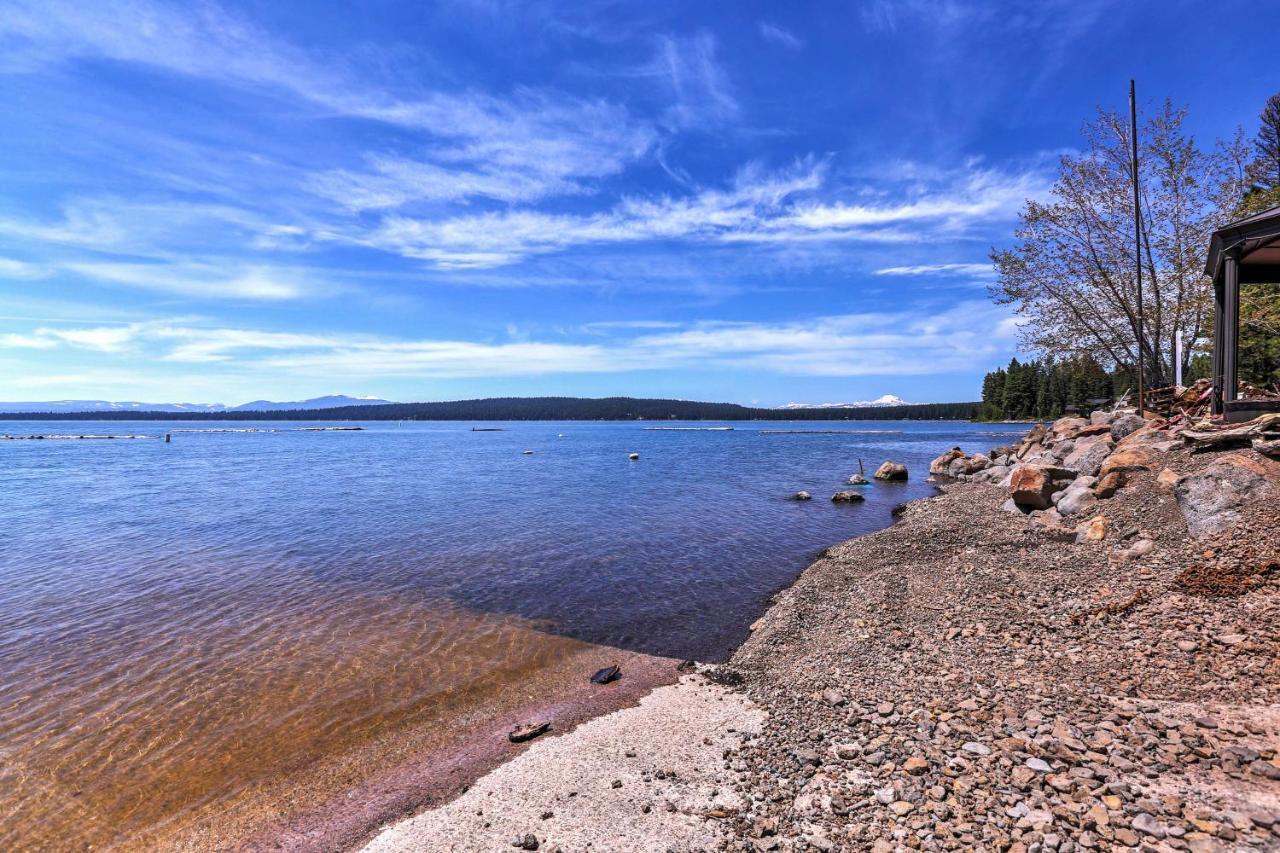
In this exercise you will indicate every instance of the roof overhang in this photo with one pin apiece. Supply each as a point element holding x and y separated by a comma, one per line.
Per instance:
<point>1254,242</point>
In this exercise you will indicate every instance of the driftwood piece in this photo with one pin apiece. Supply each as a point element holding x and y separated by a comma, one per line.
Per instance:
<point>1267,447</point>
<point>1201,436</point>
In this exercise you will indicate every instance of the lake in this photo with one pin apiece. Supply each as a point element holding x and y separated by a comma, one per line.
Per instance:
<point>182,622</point>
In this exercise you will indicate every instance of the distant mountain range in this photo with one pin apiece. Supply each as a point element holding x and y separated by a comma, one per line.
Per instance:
<point>886,400</point>
<point>494,409</point>
<point>331,401</point>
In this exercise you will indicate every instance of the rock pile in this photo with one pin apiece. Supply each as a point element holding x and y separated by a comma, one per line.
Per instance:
<point>975,679</point>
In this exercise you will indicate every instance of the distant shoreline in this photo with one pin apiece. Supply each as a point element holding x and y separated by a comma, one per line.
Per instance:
<point>536,409</point>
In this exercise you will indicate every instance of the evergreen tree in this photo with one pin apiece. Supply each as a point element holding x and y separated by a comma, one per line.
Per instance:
<point>1267,166</point>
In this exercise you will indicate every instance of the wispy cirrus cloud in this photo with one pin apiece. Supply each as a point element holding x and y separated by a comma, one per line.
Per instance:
<point>699,85</point>
<point>779,36</point>
<point>760,207</point>
<point>954,269</point>
<point>527,145</point>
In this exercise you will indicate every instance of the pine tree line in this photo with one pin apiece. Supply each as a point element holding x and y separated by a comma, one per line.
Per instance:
<point>1044,389</point>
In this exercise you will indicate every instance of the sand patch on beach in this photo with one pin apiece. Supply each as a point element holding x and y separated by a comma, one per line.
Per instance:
<point>642,778</point>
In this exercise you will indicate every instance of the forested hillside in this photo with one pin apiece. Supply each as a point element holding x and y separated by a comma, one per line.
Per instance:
<point>547,409</point>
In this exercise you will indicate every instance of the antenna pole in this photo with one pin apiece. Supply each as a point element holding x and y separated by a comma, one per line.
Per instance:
<point>1137,242</point>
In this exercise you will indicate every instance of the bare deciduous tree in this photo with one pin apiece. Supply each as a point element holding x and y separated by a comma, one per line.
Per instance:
<point>1071,276</point>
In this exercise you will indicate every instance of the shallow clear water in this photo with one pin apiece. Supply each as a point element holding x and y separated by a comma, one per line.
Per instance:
<point>177,616</point>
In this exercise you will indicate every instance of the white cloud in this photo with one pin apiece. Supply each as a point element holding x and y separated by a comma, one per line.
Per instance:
<point>521,147</point>
<point>205,281</point>
<point>759,208</point>
<point>36,341</point>
<point>14,269</point>
<point>962,336</point>
<point>780,36</point>
<point>702,93</point>
<point>966,270</point>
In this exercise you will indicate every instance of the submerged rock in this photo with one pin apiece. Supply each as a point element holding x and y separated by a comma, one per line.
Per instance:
<point>802,496</point>
<point>848,496</point>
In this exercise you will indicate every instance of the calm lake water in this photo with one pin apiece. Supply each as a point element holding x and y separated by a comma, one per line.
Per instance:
<point>174,615</point>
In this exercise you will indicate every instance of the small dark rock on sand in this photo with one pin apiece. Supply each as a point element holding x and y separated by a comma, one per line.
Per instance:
<point>529,731</point>
<point>604,676</point>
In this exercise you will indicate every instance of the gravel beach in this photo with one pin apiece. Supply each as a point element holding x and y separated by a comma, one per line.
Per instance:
<point>978,676</point>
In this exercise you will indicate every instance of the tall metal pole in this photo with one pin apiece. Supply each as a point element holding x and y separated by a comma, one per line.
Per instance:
<point>1137,241</point>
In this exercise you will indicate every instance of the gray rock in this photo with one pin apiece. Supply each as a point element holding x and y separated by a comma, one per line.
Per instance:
<point>1127,425</point>
<point>1087,458</point>
<point>802,496</point>
<point>1210,500</point>
<point>1075,501</point>
<point>1148,825</point>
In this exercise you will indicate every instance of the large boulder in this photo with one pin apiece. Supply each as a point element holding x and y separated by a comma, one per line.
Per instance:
<point>1126,459</point>
<point>1068,427</point>
<point>891,471</point>
<point>1032,487</point>
<point>1127,424</point>
<point>1211,499</point>
<point>940,465</point>
<point>1102,418</point>
<point>1077,499</point>
<point>1033,443</point>
<point>848,497</point>
<point>994,474</point>
<point>1088,455</point>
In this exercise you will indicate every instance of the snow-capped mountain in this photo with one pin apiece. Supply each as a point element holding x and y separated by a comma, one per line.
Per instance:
<point>331,401</point>
<point>879,402</point>
<point>60,406</point>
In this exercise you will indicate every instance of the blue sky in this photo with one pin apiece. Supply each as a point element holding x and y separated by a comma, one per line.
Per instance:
<point>754,202</point>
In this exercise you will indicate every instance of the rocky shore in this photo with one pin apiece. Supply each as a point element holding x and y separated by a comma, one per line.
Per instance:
<point>1073,647</point>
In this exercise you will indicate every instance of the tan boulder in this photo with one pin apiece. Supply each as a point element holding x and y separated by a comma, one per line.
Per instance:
<point>891,471</point>
<point>1032,486</point>
<point>939,465</point>
<point>1068,427</point>
<point>1126,459</point>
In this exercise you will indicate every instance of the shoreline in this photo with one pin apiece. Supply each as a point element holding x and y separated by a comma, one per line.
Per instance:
<point>415,769</point>
<point>971,677</point>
